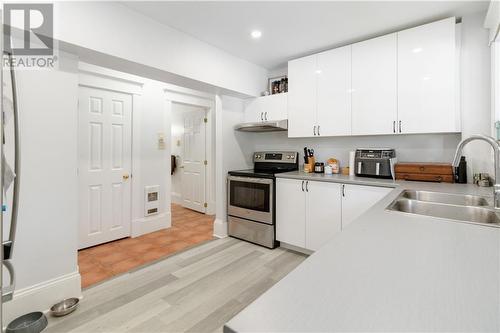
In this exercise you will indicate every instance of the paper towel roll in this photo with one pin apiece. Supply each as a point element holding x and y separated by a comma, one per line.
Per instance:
<point>352,155</point>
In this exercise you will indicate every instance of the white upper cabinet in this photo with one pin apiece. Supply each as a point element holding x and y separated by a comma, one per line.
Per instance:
<point>401,83</point>
<point>334,92</point>
<point>374,86</point>
<point>266,108</point>
<point>427,83</point>
<point>302,83</point>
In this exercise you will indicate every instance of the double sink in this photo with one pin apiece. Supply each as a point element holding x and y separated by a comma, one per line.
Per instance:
<point>460,208</point>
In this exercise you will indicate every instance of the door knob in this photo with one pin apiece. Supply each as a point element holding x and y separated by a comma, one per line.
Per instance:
<point>125,176</point>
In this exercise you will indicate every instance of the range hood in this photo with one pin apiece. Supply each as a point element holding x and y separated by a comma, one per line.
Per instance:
<point>263,126</point>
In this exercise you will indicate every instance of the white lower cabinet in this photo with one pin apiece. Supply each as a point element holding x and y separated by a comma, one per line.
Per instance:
<point>291,211</point>
<point>357,199</point>
<point>309,213</point>
<point>323,213</point>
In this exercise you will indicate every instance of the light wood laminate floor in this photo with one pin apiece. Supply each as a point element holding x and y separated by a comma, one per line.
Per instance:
<point>197,290</point>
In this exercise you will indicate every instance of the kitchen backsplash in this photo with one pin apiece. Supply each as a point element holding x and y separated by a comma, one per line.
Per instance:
<point>409,148</point>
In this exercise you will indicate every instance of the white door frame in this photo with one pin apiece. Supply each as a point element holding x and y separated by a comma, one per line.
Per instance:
<point>92,79</point>
<point>190,97</point>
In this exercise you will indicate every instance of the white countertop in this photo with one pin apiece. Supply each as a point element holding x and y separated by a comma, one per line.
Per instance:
<point>389,272</point>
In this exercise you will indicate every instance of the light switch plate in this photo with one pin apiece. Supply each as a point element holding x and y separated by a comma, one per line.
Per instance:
<point>161,141</point>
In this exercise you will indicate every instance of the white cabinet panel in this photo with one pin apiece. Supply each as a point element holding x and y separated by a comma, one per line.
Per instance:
<point>302,82</point>
<point>427,78</point>
<point>357,199</point>
<point>374,90</point>
<point>266,108</point>
<point>323,213</point>
<point>334,92</point>
<point>290,212</point>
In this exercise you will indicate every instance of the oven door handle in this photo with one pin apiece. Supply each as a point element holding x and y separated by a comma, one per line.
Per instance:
<point>251,179</point>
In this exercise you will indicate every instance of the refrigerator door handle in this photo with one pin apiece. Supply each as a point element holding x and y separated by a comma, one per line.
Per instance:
<point>8,292</point>
<point>8,245</point>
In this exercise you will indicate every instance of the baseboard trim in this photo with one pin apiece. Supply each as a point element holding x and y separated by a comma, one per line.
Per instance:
<point>149,224</point>
<point>220,228</point>
<point>296,248</point>
<point>41,296</point>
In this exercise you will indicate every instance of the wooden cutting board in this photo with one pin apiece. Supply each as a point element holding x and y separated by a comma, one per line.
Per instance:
<point>429,172</point>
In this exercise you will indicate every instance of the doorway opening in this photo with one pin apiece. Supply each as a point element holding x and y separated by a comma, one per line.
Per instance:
<point>189,173</point>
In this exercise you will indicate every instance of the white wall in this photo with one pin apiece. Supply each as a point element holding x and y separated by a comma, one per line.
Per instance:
<point>151,164</point>
<point>119,31</point>
<point>409,148</point>
<point>476,92</point>
<point>236,152</point>
<point>45,253</point>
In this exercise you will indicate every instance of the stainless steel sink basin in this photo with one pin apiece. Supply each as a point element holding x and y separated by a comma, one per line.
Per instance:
<point>446,198</point>
<point>463,208</point>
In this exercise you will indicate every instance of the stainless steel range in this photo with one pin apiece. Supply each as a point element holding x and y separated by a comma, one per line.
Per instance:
<point>251,197</point>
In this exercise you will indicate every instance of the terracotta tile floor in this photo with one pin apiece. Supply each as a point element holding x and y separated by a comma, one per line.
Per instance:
<point>103,261</point>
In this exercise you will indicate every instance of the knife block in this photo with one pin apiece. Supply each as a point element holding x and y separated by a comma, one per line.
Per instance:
<point>309,167</point>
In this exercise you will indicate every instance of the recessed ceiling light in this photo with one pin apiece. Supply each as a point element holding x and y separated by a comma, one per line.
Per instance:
<point>256,34</point>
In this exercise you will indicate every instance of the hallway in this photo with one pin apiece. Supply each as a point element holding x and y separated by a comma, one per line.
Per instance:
<point>101,262</point>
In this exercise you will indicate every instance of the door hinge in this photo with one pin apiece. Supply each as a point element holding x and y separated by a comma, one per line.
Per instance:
<point>205,205</point>
<point>205,162</point>
<point>205,120</point>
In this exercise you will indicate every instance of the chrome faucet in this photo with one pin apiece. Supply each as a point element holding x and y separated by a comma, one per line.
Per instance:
<point>496,150</point>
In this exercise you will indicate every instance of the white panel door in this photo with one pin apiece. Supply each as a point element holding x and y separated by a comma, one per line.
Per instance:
<point>426,78</point>
<point>324,213</point>
<point>334,92</point>
<point>193,165</point>
<point>357,199</point>
<point>291,211</point>
<point>302,84</point>
<point>104,165</point>
<point>374,88</point>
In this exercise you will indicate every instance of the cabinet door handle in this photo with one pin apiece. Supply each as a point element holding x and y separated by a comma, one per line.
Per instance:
<point>394,126</point>
<point>318,130</point>
<point>400,126</point>
<point>261,116</point>
<point>265,116</point>
<point>307,186</point>
<point>314,129</point>
<point>302,186</point>
<point>343,190</point>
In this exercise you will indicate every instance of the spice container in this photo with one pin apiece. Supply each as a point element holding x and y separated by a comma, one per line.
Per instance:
<point>319,167</point>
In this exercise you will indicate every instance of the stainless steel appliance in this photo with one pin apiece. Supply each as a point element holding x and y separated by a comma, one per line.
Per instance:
<point>251,197</point>
<point>263,126</point>
<point>375,162</point>
<point>11,171</point>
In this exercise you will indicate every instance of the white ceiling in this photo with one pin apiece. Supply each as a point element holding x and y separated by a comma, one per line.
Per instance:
<point>293,29</point>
